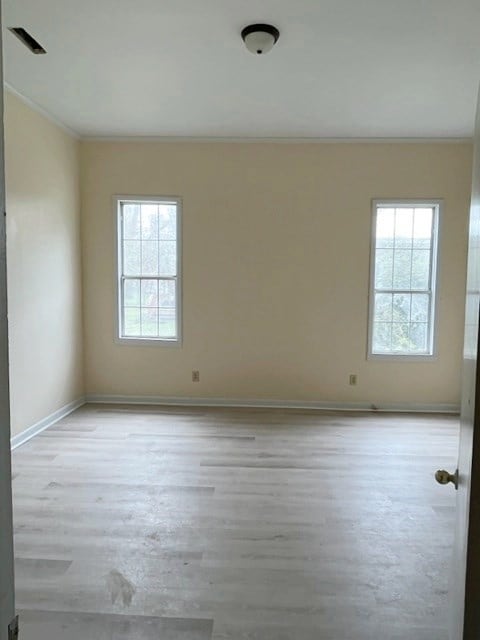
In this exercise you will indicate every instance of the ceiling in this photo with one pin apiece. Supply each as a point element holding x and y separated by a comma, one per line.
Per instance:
<point>178,68</point>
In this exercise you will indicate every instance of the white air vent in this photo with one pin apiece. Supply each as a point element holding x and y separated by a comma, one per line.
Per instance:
<point>28,40</point>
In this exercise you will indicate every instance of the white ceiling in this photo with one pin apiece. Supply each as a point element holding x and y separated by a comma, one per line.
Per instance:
<point>341,69</point>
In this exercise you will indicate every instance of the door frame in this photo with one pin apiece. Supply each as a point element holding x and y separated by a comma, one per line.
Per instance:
<point>7,597</point>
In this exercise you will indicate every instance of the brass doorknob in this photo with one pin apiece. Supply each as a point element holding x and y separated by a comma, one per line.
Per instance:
<point>444,477</point>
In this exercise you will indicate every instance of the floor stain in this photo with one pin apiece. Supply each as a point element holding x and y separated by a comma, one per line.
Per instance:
<point>119,586</point>
<point>154,536</point>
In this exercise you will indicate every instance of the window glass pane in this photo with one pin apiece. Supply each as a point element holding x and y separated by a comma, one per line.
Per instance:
<point>149,293</point>
<point>418,336</point>
<point>420,269</point>
<point>167,258</point>
<point>402,268</point>
<point>131,325</point>
<point>167,325</point>
<point>382,337</point>
<point>167,215</point>
<point>422,228</point>
<point>149,222</point>
<point>385,228</point>
<point>131,221</point>
<point>131,292</point>
<point>403,228</point>
<point>149,318</point>
<point>131,257</point>
<point>401,337</point>
<point>401,307</point>
<point>383,268</point>
<point>383,307</point>
<point>420,307</point>
<point>149,258</point>
<point>167,294</point>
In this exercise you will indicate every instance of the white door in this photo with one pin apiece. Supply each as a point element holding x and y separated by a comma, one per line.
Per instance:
<point>7,604</point>
<point>465,586</point>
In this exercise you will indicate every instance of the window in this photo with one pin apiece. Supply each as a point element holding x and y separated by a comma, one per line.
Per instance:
<point>149,285</point>
<point>403,274</point>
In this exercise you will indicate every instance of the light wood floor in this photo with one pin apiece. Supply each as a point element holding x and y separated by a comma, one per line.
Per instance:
<point>177,524</point>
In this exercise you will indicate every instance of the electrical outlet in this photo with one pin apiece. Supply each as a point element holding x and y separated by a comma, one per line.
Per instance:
<point>353,379</point>
<point>195,376</point>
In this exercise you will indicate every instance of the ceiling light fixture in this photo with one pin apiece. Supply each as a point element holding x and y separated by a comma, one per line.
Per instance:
<point>260,38</point>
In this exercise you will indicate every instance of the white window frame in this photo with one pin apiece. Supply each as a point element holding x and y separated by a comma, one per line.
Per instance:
<point>148,340</point>
<point>437,206</point>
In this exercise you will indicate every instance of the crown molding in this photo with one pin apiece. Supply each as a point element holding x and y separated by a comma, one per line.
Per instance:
<point>229,139</point>
<point>40,110</point>
<point>272,140</point>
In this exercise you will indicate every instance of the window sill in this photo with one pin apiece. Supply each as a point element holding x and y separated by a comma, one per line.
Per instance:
<point>148,342</point>
<point>391,357</point>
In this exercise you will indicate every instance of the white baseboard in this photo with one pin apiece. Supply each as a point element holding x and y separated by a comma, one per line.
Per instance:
<point>274,404</point>
<point>253,403</point>
<point>40,426</point>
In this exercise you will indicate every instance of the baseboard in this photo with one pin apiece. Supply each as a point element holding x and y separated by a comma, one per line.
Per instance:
<point>274,404</point>
<point>253,403</point>
<point>40,426</point>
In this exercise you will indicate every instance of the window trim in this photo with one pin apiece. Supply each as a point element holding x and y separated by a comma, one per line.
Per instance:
<point>147,341</point>
<point>437,204</point>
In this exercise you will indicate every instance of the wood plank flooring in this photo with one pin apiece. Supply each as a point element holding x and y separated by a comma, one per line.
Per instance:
<point>234,524</point>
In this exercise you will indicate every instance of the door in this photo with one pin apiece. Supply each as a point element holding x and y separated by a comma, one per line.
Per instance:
<point>465,584</point>
<point>7,606</point>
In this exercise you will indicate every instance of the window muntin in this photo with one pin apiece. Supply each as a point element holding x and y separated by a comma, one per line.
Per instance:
<point>403,273</point>
<point>148,269</point>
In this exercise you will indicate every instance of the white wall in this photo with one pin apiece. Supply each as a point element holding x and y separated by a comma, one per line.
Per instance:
<point>44,271</point>
<point>276,241</point>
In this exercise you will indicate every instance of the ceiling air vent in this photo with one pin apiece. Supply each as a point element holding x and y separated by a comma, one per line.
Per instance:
<point>27,39</point>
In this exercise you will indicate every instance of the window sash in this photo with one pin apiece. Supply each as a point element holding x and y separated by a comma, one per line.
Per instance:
<point>410,323</point>
<point>157,336</point>
<point>429,290</point>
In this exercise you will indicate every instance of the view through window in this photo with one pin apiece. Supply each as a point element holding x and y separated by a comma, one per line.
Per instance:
<point>148,269</point>
<point>403,276</point>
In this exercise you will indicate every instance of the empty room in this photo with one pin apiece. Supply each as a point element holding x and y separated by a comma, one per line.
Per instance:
<point>239,293</point>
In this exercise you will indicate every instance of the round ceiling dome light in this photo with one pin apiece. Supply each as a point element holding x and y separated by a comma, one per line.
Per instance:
<point>260,38</point>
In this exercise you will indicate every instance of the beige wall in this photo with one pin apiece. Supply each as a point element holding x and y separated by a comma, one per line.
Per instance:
<point>43,258</point>
<point>276,241</point>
